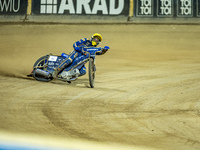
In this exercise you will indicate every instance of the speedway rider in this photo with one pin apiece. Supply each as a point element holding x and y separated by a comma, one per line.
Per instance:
<point>93,42</point>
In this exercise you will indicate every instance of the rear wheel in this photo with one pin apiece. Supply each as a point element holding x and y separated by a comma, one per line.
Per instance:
<point>40,63</point>
<point>91,71</point>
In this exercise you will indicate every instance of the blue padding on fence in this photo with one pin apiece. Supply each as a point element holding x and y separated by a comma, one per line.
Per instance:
<point>10,146</point>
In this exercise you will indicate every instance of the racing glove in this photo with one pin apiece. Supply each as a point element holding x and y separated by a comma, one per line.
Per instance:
<point>105,49</point>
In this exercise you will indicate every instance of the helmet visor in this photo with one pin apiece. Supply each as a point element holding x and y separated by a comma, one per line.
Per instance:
<point>96,39</point>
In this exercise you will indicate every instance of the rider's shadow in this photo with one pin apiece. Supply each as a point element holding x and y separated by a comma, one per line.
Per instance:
<point>79,83</point>
<point>84,83</point>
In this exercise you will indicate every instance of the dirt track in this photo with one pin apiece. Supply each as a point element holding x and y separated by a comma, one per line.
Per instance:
<point>146,92</point>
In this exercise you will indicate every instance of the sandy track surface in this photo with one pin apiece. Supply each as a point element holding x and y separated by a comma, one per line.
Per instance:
<point>146,92</point>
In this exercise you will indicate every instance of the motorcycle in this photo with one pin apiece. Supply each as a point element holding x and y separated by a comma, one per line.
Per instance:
<point>44,66</point>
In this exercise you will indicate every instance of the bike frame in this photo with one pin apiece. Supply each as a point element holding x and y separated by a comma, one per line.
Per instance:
<point>89,53</point>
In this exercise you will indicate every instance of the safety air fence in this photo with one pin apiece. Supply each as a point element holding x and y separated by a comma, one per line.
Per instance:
<point>100,11</point>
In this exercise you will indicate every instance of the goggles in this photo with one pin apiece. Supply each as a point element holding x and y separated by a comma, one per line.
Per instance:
<point>96,39</point>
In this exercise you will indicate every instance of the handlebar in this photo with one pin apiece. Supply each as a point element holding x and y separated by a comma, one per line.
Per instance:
<point>93,50</point>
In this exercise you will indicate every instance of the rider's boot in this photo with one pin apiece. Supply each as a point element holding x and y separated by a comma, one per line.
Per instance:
<point>63,65</point>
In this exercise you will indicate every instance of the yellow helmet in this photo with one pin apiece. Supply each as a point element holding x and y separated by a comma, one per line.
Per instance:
<point>96,39</point>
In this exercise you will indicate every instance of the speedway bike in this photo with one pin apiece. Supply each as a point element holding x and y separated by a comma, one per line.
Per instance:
<point>44,66</point>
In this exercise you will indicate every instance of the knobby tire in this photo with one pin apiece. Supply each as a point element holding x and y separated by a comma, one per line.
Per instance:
<point>91,72</point>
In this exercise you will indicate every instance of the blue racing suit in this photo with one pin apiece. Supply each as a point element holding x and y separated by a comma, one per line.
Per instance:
<point>86,43</point>
<point>77,52</point>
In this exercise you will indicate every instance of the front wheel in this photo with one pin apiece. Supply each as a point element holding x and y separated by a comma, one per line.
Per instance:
<point>91,71</point>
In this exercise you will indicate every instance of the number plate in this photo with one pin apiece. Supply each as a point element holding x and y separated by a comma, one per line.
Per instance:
<point>53,58</point>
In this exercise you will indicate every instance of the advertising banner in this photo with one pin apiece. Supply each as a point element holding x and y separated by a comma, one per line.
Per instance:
<point>145,8</point>
<point>198,8</point>
<point>185,8</point>
<point>81,7</point>
<point>13,7</point>
<point>167,8</point>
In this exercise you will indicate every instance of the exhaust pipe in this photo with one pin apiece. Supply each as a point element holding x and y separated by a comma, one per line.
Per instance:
<point>42,73</point>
